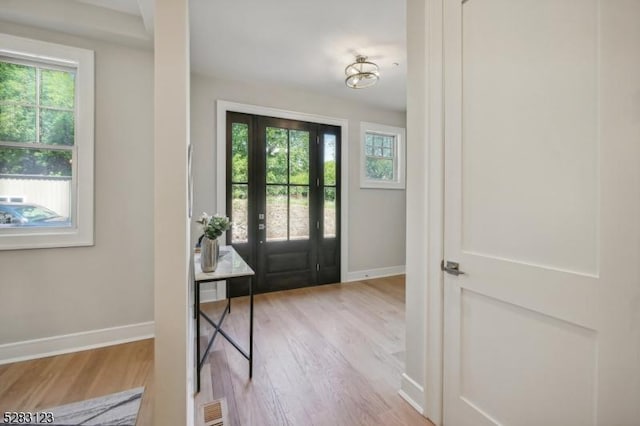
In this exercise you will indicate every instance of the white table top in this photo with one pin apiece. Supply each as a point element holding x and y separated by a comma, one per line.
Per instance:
<point>230,264</point>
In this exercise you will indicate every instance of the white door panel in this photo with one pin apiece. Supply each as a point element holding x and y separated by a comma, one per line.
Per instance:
<point>542,212</point>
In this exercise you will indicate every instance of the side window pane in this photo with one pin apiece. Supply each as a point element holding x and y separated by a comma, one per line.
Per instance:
<point>40,180</point>
<point>329,159</point>
<point>57,89</point>
<point>329,212</point>
<point>17,83</point>
<point>299,157</point>
<point>276,152</point>
<point>17,123</point>
<point>240,213</point>
<point>369,140</point>
<point>299,211</point>
<point>379,168</point>
<point>56,127</point>
<point>277,212</point>
<point>239,152</point>
<point>21,161</point>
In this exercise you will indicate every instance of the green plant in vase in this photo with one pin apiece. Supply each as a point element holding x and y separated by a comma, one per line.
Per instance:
<point>212,228</point>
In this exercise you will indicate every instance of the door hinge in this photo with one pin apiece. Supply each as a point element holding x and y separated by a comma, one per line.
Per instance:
<point>318,140</point>
<point>452,268</point>
<point>318,225</point>
<point>317,266</point>
<point>317,182</point>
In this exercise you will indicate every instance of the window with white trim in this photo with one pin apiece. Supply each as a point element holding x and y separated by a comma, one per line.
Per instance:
<point>46,144</point>
<point>382,156</point>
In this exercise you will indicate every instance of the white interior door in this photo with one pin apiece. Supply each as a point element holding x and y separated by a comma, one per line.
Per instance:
<point>542,212</point>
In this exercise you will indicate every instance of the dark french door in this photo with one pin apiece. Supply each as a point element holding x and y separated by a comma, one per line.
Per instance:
<point>283,196</point>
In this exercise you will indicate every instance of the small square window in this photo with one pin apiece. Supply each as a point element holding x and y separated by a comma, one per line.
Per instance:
<point>382,155</point>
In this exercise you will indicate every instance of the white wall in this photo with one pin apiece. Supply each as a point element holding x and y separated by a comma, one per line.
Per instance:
<point>174,337</point>
<point>376,217</point>
<point>413,379</point>
<point>50,292</point>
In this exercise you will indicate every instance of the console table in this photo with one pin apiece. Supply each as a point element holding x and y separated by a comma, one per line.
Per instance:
<point>230,265</point>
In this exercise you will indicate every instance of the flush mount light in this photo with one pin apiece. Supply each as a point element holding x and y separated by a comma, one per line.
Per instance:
<point>361,73</point>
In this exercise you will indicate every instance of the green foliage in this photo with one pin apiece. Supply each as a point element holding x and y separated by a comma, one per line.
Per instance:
<point>239,152</point>
<point>56,127</point>
<point>379,168</point>
<point>217,226</point>
<point>17,123</point>
<point>240,192</point>
<point>214,226</point>
<point>329,195</point>
<point>17,83</point>
<point>330,172</point>
<point>18,111</point>
<point>57,89</point>
<point>277,147</point>
<point>35,162</point>
<point>283,143</point>
<point>299,157</point>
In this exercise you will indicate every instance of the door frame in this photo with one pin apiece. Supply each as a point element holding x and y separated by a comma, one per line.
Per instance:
<point>422,383</point>
<point>222,107</point>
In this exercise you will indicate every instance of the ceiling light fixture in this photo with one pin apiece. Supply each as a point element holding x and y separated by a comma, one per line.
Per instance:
<point>361,73</point>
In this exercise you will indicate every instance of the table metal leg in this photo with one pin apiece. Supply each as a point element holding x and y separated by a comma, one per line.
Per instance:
<point>250,327</point>
<point>197,313</point>
<point>218,329</point>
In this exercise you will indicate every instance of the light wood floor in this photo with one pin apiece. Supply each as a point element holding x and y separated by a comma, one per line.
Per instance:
<point>327,355</point>
<point>63,379</point>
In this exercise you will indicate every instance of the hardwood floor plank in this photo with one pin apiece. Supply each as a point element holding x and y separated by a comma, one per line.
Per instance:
<point>63,379</point>
<point>327,355</point>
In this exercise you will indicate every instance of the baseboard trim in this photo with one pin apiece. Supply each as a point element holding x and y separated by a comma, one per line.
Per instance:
<point>75,342</point>
<point>412,392</point>
<point>375,273</point>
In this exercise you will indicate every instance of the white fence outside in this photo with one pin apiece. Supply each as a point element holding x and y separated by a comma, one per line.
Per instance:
<point>53,192</point>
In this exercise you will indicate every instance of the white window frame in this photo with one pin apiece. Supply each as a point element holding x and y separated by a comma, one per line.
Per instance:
<point>82,208</point>
<point>399,164</point>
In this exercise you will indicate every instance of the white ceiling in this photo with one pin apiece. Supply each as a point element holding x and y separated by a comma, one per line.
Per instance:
<point>303,43</point>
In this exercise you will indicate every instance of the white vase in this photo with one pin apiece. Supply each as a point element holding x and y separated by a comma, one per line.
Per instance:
<point>209,251</point>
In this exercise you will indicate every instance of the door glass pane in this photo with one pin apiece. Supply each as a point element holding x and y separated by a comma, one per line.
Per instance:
<point>276,153</point>
<point>329,212</point>
<point>299,211</point>
<point>277,212</point>
<point>329,159</point>
<point>299,157</point>
<point>239,152</point>
<point>17,123</point>
<point>57,88</point>
<point>239,213</point>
